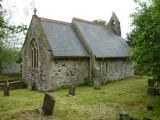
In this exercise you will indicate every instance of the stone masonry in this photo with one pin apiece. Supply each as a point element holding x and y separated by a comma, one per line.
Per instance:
<point>115,69</point>
<point>65,72</point>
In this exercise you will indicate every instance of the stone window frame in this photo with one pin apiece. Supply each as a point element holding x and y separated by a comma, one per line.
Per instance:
<point>103,66</point>
<point>34,54</point>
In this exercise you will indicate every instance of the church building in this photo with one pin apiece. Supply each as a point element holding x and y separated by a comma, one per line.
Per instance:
<point>57,53</point>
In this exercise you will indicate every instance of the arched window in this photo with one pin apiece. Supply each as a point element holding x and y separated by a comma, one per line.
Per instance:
<point>34,54</point>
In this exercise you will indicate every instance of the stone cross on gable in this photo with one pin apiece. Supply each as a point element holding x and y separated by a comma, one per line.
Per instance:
<point>35,11</point>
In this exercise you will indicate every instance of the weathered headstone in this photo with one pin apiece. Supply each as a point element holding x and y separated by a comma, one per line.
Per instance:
<point>71,90</point>
<point>6,88</point>
<point>48,104</point>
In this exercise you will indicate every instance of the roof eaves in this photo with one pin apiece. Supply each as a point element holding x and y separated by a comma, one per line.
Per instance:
<point>70,56</point>
<point>113,57</point>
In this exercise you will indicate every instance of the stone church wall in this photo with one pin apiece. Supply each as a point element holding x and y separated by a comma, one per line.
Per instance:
<point>115,69</point>
<point>64,72</point>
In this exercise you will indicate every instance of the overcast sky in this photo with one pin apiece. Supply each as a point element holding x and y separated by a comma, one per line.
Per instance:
<point>64,10</point>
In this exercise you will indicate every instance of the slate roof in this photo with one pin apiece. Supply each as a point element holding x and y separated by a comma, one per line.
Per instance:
<point>65,43</point>
<point>62,39</point>
<point>102,40</point>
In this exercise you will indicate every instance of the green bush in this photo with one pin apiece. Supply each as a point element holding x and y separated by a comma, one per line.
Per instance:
<point>24,85</point>
<point>87,81</point>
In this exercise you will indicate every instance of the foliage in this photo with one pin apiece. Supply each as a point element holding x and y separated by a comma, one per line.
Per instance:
<point>88,104</point>
<point>15,54</point>
<point>87,81</point>
<point>145,37</point>
<point>7,34</point>
<point>99,21</point>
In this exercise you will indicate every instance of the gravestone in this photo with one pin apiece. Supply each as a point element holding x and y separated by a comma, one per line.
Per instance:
<point>71,90</point>
<point>6,88</point>
<point>48,104</point>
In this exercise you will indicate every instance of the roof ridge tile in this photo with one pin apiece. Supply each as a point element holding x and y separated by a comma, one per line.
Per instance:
<point>90,22</point>
<point>55,21</point>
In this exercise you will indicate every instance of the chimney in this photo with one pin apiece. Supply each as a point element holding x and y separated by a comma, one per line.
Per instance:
<point>114,24</point>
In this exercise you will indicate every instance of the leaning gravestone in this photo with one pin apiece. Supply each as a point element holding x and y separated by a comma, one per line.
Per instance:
<point>6,88</point>
<point>48,104</point>
<point>71,90</point>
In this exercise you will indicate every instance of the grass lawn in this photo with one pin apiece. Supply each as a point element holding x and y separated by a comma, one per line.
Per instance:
<point>88,104</point>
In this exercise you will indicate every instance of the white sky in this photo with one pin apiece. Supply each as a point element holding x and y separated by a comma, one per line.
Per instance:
<point>65,10</point>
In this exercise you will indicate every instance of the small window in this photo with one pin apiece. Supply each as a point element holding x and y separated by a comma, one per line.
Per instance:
<point>100,68</point>
<point>113,22</point>
<point>34,54</point>
<point>106,68</point>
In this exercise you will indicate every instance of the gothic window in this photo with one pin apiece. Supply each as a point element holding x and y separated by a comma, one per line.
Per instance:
<point>34,54</point>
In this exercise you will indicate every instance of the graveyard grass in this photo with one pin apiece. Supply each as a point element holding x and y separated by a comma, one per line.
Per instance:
<point>88,104</point>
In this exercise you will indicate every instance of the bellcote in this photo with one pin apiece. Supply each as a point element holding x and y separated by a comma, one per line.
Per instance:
<point>114,24</point>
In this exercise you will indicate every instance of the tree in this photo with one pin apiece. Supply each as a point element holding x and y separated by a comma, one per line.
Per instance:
<point>99,21</point>
<point>7,31</point>
<point>145,37</point>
